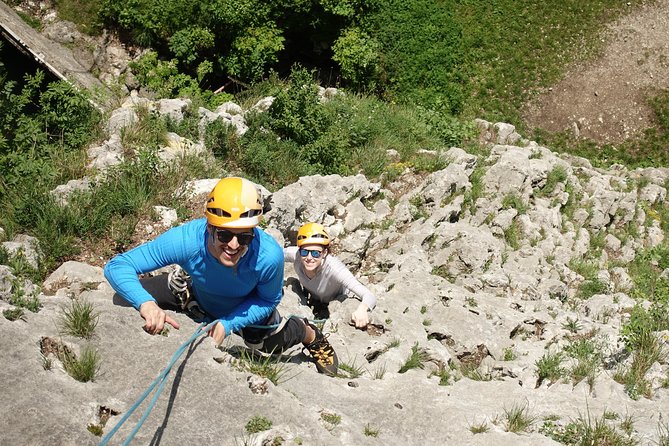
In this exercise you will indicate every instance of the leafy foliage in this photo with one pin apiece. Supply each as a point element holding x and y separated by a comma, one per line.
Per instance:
<point>357,53</point>
<point>38,124</point>
<point>243,39</point>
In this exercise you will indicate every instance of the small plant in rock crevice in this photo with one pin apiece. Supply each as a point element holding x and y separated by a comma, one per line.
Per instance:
<point>263,366</point>
<point>549,367</point>
<point>258,424</point>
<point>417,359</point>
<point>79,318</point>
<point>509,354</point>
<point>479,428</point>
<point>331,419</point>
<point>20,299</point>
<point>370,431</point>
<point>513,201</point>
<point>587,354</point>
<point>556,176</point>
<point>518,418</point>
<point>572,325</point>
<point>83,368</point>
<point>350,370</point>
<point>649,350</point>
<point>14,314</point>
<point>380,372</point>
<point>394,342</point>
<point>444,373</point>
<point>588,431</point>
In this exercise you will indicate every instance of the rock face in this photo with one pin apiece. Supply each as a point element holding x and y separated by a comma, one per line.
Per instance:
<point>479,272</point>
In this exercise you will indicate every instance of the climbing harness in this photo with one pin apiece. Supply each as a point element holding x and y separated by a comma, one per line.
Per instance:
<point>179,283</point>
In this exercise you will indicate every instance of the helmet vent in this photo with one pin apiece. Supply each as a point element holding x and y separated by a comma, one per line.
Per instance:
<point>251,213</point>
<point>219,212</point>
<point>302,237</point>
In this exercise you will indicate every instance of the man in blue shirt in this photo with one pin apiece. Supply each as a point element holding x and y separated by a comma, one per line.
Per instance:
<point>234,275</point>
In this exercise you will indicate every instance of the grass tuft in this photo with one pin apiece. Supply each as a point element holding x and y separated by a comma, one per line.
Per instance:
<point>263,366</point>
<point>79,319</point>
<point>83,369</point>
<point>258,424</point>
<point>416,359</point>
<point>518,418</point>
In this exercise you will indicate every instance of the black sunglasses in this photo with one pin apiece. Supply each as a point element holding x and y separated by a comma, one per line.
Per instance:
<point>314,253</point>
<point>225,236</point>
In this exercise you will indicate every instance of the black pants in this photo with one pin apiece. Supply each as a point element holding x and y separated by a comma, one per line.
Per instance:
<point>268,340</point>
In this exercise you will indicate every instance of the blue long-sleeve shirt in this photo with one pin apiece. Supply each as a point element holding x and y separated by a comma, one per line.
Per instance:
<point>243,295</point>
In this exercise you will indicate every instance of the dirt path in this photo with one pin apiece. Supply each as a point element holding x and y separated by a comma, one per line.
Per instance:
<point>605,99</point>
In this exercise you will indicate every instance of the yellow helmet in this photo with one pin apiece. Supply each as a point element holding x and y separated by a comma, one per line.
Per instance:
<point>312,234</point>
<point>234,203</point>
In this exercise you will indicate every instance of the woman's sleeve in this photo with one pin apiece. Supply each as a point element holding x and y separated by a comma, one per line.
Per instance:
<point>289,254</point>
<point>342,275</point>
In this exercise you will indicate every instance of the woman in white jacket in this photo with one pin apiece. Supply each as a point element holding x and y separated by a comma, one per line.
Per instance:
<point>323,275</point>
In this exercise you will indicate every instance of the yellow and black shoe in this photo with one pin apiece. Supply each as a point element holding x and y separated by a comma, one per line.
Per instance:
<point>322,352</point>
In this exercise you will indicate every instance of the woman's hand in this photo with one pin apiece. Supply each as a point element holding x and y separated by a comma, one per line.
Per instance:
<point>155,318</point>
<point>360,317</point>
<point>217,332</point>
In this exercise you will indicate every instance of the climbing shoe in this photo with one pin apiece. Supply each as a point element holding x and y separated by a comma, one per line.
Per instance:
<point>322,352</point>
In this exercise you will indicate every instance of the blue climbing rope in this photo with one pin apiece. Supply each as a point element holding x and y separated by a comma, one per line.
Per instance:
<point>313,321</point>
<point>160,382</point>
<point>161,379</point>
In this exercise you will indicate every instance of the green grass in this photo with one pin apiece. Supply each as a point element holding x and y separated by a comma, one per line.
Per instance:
<point>83,368</point>
<point>513,201</point>
<point>416,360</point>
<point>14,314</point>
<point>95,429</point>
<point>556,176</point>
<point>263,366</point>
<point>513,235</point>
<point>370,431</point>
<point>518,418</point>
<point>331,419</point>
<point>648,350</point>
<point>394,342</point>
<point>586,431</point>
<point>258,424</point>
<point>572,325</point>
<point>479,428</point>
<point>79,318</point>
<point>588,355</point>
<point>509,354</point>
<point>491,57</point>
<point>84,13</point>
<point>663,434</point>
<point>380,372</point>
<point>20,300</point>
<point>444,374</point>
<point>549,367</point>
<point>350,370</point>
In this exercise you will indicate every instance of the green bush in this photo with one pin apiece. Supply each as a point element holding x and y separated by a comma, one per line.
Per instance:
<point>422,52</point>
<point>164,78</point>
<point>188,43</point>
<point>38,125</point>
<point>358,56</point>
<point>253,51</point>
<point>296,112</point>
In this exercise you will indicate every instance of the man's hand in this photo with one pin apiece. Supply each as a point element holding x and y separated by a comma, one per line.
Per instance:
<point>218,334</point>
<point>360,317</point>
<point>155,318</point>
